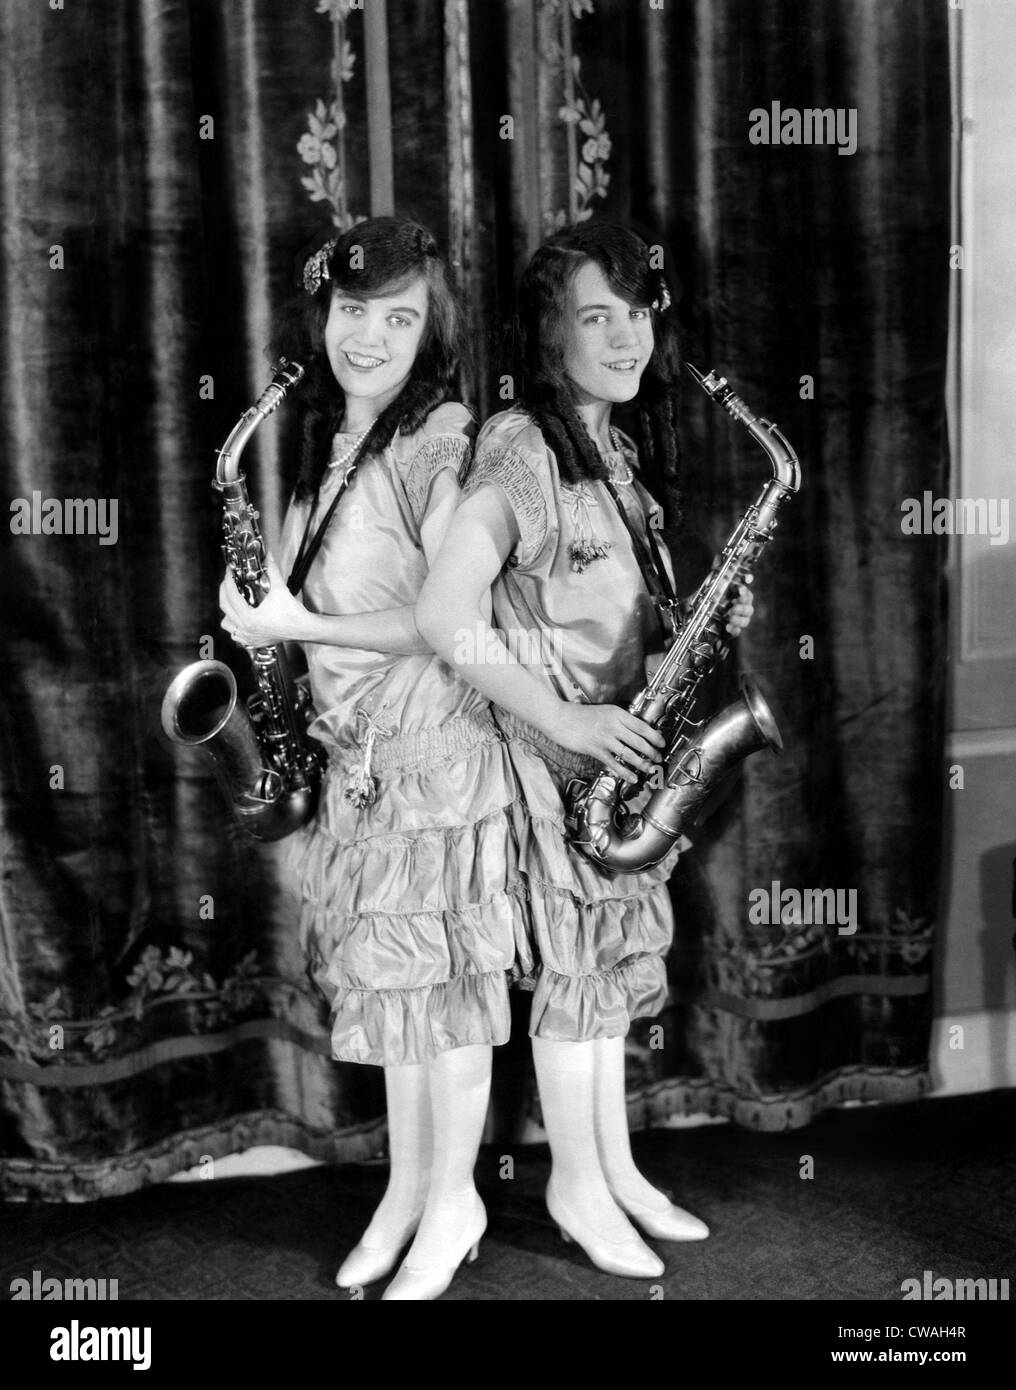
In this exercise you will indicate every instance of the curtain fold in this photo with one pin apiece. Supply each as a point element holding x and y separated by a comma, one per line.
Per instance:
<point>153,1002</point>
<point>820,290</point>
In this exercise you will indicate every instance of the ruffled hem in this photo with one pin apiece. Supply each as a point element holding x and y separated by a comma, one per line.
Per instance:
<point>414,913</point>
<point>418,950</point>
<point>408,911</point>
<point>403,1027</point>
<point>601,938</point>
<point>575,1008</point>
<point>427,871</point>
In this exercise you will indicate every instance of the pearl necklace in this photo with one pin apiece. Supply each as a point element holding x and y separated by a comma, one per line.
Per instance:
<point>347,454</point>
<point>615,475</point>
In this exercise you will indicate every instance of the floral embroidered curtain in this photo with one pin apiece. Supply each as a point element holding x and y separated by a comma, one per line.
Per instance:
<point>165,166</point>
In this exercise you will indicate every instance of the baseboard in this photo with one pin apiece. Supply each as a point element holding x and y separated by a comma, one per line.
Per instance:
<point>986,1061</point>
<point>263,1161</point>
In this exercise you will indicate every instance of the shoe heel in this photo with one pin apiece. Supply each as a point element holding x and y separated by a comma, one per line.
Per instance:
<point>631,1258</point>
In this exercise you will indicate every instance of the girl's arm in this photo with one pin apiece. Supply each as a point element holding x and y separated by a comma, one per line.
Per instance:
<point>450,614</point>
<point>280,617</point>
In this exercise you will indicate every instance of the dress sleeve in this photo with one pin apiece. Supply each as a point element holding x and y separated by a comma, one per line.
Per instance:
<point>519,478</point>
<point>435,453</point>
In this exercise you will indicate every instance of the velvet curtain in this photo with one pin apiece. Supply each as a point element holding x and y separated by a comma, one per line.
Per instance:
<point>164,164</point>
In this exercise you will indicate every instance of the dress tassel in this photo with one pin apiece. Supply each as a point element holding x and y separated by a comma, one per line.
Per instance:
<point>361,789</point>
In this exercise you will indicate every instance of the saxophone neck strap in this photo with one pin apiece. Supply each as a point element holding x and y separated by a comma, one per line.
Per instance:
<point>310,544</point>
<point>651,564</point>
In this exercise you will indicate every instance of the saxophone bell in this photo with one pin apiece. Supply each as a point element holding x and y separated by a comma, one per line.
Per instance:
<point>743,727</point>
<point>202,709</point>
<point>623,841</point>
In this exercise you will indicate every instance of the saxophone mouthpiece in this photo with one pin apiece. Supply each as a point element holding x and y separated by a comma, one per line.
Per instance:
<point>710,384</point>
<point>288,374</point>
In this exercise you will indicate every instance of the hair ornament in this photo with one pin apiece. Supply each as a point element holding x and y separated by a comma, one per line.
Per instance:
<point>316,269</point>
<point>424,243</point>
<point>664,300</point>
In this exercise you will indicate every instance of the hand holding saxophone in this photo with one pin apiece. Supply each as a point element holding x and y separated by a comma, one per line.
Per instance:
<point>741,609</point>
<point>738,618</point>
<point>279,617</point>
<point>618,739</point>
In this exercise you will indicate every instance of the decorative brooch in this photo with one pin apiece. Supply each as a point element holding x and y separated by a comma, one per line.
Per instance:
<point>316,269</point>
<point>361,789</point>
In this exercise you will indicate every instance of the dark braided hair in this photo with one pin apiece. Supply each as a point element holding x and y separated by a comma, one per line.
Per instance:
<point>546,391</point>
<point>390,252</point>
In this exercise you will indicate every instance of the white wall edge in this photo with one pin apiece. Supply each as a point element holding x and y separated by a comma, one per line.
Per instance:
<point>981,743</point>
<point>987,1059</point>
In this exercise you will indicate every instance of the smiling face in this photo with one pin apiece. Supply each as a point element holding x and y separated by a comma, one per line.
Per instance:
<point>607,341</point>
<point>372,343</point>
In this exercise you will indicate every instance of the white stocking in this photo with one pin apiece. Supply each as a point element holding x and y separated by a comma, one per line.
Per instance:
<point>459,1086</point>
<point>613,1140</point>
<point>565,1073</point>
<point>409,1147</point>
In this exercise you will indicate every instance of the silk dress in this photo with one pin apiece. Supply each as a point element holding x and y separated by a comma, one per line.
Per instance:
<point>572,603</point>
<point>412,908</point>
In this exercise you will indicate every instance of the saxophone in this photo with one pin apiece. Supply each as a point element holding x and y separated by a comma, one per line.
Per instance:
<point>698,753</point>
<point>266,764</point>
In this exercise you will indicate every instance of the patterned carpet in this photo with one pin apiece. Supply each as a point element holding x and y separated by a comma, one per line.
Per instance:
<point>897,1190</point>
